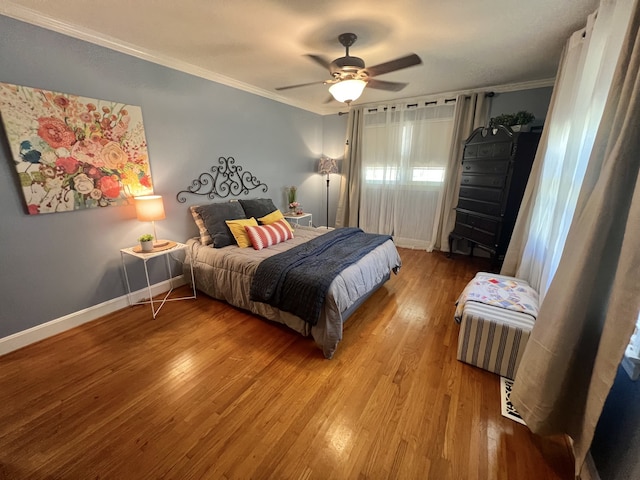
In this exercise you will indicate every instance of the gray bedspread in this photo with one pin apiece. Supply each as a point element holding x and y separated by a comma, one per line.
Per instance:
<point>226,274</point>
<point>298,280</point>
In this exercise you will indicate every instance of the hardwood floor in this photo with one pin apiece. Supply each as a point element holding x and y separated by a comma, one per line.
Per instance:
<point>210,392</point>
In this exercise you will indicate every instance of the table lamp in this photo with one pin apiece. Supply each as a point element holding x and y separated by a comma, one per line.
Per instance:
<point>150,208</point>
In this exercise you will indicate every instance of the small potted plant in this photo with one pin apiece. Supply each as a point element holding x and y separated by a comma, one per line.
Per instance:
<point>291,196</point>
<point>517,122</point>
<point>522,121</point>
<point>146,242</point>
<point>506,120</point>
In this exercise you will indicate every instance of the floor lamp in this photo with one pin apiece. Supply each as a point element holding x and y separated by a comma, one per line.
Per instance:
<point>327,166</point>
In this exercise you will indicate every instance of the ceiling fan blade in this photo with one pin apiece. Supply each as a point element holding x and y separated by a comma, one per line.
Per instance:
<point>299,85</point>
<point>393,65</point>
<point>382,85</point>
<point>329,99</point>
<point>320,60</point>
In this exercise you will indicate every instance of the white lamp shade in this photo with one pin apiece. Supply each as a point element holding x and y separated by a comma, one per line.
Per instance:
<point>149,208</point>
<point>347,90</point>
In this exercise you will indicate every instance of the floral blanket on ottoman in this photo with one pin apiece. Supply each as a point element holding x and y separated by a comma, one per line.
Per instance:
<point>499,291</point>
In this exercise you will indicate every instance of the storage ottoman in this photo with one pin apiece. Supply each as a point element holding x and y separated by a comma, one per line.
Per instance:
<point>496,314</point>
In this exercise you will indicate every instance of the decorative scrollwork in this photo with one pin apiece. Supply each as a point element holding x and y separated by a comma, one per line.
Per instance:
<point>224,180</point>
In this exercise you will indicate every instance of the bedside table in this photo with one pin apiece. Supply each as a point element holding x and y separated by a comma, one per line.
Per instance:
<point>145,257</point>
<point>295,219</point>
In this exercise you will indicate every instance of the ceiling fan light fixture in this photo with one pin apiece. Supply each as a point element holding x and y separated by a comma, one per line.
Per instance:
<point>347,91</point>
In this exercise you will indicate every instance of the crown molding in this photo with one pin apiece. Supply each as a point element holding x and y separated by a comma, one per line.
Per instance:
<point>515,87</point>
<point>511,87</point>
<point>33,17</point>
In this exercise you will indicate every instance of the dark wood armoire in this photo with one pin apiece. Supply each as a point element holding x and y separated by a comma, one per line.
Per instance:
<point>496,163</point>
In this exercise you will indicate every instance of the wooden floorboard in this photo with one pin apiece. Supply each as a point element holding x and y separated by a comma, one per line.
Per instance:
<point>209,391</point>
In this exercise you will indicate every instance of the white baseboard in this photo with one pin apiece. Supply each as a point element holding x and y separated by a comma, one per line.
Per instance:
<point>59,325</point>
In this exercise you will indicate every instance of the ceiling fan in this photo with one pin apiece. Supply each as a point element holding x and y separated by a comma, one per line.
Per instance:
<point>349,75</point>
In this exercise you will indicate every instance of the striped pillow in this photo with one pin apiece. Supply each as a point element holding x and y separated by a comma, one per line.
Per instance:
<point>264,236</point>
<point>205,238</point>
<point>273,217</point>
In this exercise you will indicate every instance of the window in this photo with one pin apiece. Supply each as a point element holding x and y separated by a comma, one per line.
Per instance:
<point>428,174</point>
<point>405,150</point>
<point>407,146</point>
<point>381,174</point>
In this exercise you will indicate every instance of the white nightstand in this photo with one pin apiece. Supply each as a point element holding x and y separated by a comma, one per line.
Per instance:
<point>145,257</point>
<point>295,219</point>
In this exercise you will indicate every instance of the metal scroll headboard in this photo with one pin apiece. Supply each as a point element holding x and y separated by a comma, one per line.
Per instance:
<point>224,180</point>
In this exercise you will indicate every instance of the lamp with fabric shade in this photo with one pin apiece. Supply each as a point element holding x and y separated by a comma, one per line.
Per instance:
<point>347,91</point>
<point>150,208</point>
<point>327,166</point>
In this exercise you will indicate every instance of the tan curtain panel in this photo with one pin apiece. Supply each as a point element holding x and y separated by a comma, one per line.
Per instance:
<point>472,111</point>
<point>349,202</point>
<point>590,309</point>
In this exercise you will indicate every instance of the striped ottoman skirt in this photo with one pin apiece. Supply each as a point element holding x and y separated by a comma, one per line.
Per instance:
<point>493,338</point>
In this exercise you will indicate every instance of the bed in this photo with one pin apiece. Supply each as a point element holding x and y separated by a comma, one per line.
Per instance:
<point>226,271</point>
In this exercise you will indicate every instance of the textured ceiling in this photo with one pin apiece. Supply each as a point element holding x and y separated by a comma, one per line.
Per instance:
<point>258,45</point>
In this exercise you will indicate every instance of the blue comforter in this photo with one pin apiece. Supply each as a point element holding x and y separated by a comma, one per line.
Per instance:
<point>297,280</point>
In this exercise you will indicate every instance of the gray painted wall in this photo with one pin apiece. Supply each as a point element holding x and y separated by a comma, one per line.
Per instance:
<point>535,100</point>
<point>56,264</point>
<point>335,134</point>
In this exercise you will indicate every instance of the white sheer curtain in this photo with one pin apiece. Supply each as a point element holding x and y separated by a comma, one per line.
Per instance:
<point>405,149</point>
<point>582,88</point>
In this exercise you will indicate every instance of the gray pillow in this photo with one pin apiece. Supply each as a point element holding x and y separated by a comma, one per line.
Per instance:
<point>257,207</point>
<point>213,216</point>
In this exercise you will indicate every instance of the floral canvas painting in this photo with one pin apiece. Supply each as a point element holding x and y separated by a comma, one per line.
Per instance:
<point>72,152</point>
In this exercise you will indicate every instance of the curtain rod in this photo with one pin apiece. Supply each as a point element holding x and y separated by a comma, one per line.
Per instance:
<point>446,100</point>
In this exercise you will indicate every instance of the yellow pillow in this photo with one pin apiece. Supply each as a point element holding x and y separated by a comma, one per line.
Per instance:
<point>238,231</point>
<point>272,218</point>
